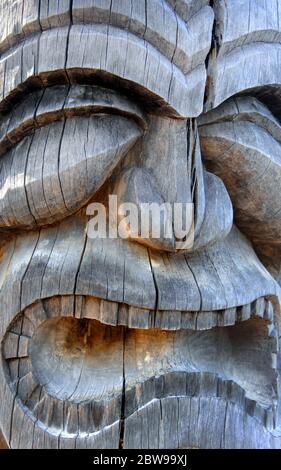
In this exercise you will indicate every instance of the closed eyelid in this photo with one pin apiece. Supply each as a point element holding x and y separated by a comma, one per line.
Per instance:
<point>241,142</point>
<point>60,102</point>
<point>56,170</point>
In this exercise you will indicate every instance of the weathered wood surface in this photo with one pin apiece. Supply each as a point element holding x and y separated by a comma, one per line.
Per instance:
<point>3,443</point>
<point>183,38</point>
<point>50,181</point>
<point>161,154</point>
<point>58,366</point>
<point>220,417</point>
<point>246,56</point>
<point>40,267</point>
<point>243,148</point>
<point>140,342</point>
<point>185,44</point>
<point>62,102</point>
<point>170,53</point>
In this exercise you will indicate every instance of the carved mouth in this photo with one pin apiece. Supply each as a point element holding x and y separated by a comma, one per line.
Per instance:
<point>64,370</point>
<point>56,366</point>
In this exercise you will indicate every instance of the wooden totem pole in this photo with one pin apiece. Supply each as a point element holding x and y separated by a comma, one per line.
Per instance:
<point>140,341</point>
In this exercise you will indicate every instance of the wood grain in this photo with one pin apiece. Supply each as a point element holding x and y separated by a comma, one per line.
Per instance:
<point>243,148</point>
<point>64,352</point>
<point>140,342</point>
<point>3,443</point>
<point>171,50</point>
<point>246,55</point>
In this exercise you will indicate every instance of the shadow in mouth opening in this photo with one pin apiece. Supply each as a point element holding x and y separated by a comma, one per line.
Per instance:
<point>80,360</point>
<point>77,376</point>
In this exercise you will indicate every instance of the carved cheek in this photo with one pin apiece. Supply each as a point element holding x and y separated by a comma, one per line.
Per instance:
<point>56,170</point>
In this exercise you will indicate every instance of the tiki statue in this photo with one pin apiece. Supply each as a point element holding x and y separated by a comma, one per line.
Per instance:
<point>135,339</point>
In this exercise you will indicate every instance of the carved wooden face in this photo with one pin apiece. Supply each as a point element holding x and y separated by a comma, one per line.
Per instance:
<point>139,342</point>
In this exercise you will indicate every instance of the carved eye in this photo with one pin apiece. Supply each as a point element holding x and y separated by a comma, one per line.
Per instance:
<point>59,167</point>
<point>241,143</point>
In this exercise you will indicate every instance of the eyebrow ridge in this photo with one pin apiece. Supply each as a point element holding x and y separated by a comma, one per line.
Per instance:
<point>58,102</point>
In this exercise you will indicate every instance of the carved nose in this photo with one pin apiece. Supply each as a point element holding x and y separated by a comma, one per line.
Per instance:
<point>166,199</point>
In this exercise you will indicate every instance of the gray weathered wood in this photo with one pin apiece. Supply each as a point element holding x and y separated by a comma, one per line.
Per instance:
<point>61,362</point>
<point>140,341</point>
<point>55,183</point>
<point>247,53</point>
<point>243,149</point>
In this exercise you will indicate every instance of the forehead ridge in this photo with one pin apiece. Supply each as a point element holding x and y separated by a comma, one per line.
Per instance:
<point>175,35</point>
<point>149,45</point>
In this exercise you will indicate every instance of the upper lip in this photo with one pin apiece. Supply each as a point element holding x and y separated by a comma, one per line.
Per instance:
<point>60,260</point>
